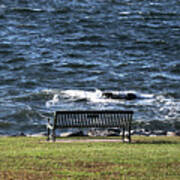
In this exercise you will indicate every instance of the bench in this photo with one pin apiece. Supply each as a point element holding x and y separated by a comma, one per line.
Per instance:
<point>91,119</point>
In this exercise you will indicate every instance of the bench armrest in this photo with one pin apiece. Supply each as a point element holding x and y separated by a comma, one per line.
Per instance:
<point>49,125</point>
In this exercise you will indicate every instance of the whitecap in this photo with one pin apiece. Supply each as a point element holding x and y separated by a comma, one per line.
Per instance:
<point>53,102</point>
<point>90,96</point>
<point>2,6</point>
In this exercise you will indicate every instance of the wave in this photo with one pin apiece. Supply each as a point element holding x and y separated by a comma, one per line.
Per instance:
<point>146,106</point>
<point>96,96</point>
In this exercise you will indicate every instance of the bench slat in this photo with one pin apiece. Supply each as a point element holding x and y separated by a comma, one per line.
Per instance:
<point>92,118</point>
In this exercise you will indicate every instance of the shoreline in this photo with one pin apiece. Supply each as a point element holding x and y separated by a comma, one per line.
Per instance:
<point>139,128</point>
<point>100,133</point>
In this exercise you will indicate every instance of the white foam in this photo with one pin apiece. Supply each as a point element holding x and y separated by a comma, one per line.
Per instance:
<point>53,102</point>
<point>91,96</point>
<point>124,13</point>
<point>50,91</point>
<point>2,6</point>
<point>77,94</point>
<point>163,108</point>
<point>166,108</point>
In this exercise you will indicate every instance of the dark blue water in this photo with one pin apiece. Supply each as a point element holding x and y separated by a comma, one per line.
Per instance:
<point>59,54</point>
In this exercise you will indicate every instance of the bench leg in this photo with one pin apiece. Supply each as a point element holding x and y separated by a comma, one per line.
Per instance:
<point>129,133</point>
<point>48,134</point>
<point>53,135</point>
<point>129,138</point>
<point>123,134</point>
<point>48,131</point>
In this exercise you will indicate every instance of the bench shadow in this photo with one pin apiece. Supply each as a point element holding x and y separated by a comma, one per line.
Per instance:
<point>155,142</point>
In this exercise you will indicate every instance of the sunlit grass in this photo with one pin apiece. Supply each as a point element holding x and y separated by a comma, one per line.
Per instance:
<point>34,158</point>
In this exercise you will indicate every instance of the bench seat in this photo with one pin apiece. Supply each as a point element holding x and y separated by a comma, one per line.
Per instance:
<point>91,119</point>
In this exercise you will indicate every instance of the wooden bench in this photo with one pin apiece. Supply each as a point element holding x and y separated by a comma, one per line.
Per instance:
<point>91,119</point>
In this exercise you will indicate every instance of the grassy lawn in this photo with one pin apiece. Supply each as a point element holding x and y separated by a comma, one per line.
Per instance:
<point>155,158</point>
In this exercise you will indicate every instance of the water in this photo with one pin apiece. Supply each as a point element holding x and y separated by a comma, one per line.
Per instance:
<point>58,55</point>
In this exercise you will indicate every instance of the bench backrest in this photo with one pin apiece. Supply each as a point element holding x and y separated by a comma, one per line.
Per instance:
<point>88,119</point>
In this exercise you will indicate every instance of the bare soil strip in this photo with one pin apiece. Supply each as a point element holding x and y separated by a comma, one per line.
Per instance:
<point>86,140</point>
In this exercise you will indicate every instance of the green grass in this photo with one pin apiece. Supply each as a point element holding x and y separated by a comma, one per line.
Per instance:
<point>151,158</point>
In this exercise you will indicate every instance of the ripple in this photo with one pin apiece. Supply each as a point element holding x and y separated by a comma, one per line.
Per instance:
<point>28,10</point>
<point>85,45</point>
<point>79,65</point>
<point>176,69</point>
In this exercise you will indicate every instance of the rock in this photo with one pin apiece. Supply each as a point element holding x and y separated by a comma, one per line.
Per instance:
<point>42,134</point>
<point>70,134</point>
<point>128,96</point>
<point>171,133</point>
<point>21,134</point>
<point>159,133</point>
<point>141,132</point>
<point>177,133</point>
<point>65,134</point>
<point>126,133</point>
<point>96,132</point>
<point>107,132</point>
<point>113,132</point>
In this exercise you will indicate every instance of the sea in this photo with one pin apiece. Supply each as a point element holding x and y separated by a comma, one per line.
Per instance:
<point>64,54</point>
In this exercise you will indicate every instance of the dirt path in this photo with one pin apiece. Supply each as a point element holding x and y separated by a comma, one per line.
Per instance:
<point>86,140</point>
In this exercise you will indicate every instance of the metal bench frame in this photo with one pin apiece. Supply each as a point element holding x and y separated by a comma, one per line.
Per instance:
<point>91,119</point>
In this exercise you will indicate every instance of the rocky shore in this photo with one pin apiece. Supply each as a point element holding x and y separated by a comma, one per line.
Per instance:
<point>139,128</point>
<point>105,133</point>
